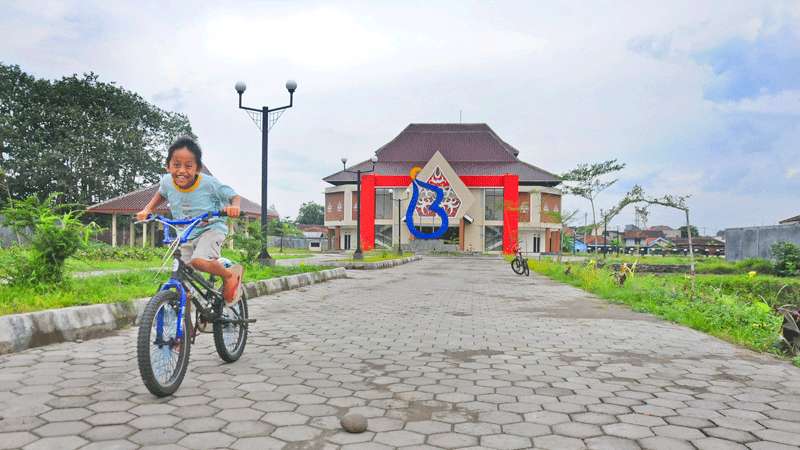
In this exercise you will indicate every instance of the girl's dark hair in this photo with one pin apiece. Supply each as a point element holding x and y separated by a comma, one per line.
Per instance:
<point>189,144</point>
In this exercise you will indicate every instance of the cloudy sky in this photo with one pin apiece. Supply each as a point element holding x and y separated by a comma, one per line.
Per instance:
<point>699,98</point>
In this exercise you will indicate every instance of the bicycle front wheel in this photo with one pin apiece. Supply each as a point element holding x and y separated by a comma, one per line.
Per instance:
<point>516,266</point>
<point>230,337</point>
<point>163,356</point>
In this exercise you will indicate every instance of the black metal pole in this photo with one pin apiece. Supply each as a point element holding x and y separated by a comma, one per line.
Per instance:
<point>399,230</point>
<point>264,258</point>
<point>358,254</point>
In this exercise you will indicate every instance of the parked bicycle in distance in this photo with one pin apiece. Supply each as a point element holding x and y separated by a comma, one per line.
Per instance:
<point>520,264</point>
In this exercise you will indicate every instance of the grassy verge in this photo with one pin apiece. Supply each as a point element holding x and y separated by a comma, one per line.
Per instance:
<point>729,313</point>
<point>378,256</point>
<point>152,257</point>
<point>110,289</point>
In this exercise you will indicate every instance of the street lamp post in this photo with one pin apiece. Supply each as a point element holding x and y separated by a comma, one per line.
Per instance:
<point>268,118</point>
<point>358,253</point>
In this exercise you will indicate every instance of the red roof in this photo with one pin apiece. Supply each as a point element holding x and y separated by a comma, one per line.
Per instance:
<point>471,149</point>
<point>135,201</point>
<point>312,228</point>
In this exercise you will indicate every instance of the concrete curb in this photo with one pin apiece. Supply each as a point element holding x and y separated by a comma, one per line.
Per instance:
<point>381,264</point>
<point>23,331</point>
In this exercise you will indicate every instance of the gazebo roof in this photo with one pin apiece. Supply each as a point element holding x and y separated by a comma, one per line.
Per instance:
<point>135,201</point>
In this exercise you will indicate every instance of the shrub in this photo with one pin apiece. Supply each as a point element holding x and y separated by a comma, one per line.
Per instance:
<point>787,258</point>
<point>105,252</point>
<point>53,237</point>
<point>762,266</point>
<point>248,245</point>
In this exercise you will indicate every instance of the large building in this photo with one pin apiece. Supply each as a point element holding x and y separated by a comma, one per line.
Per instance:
<point>492,198</point>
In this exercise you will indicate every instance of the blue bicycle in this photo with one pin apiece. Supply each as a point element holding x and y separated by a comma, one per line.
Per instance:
<point>166,331</point>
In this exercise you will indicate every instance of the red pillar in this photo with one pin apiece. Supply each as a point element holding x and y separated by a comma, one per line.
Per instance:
<point>510,212</point>
<point>366,210</point>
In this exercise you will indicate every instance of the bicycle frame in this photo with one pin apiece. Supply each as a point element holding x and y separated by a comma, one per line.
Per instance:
<point>181,273</point>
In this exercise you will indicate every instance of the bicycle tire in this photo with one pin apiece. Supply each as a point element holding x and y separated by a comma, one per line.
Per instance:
<point>145,346</point>
<point>226,351</point>
<point>516,266</point>
<point>527,268</point>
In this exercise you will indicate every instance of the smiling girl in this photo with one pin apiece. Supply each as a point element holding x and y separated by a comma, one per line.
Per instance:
<point>189,194</point>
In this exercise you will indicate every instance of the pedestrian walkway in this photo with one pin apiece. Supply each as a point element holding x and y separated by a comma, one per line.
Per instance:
<point>442,353</point>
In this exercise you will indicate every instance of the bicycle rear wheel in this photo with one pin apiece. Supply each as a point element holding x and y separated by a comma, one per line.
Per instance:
<point>230,338</point>
<point>516,266</point>
<point>163,357</point>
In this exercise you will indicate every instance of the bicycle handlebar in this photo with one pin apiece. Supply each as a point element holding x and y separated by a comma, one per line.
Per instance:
<point>174,223</point>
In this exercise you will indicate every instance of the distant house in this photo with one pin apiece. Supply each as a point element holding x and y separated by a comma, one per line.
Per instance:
<point>701,245</point>
<point>315,236</point>
<point>638,238</point>
<point>580,246</point>
<point>790,220</point>
<point>658,243</point>
<point>667,231</point>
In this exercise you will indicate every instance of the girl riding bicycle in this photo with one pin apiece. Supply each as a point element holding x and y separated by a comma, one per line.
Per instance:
<point>191,193</point>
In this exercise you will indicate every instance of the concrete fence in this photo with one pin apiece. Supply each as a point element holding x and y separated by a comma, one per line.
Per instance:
<point>755,242</point>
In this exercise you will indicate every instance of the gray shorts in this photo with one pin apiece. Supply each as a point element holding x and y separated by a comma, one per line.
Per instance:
<point>206,246</point>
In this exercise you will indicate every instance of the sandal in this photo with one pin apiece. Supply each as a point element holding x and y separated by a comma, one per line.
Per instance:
<point>231,292</point>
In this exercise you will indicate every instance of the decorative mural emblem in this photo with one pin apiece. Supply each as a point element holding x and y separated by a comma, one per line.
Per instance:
<point>451,202</point>
<point>434,205</point>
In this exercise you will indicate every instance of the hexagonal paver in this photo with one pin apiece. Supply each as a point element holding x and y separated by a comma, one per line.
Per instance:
<point>108,432</point>
<point>399,438</point>
<point>296,433</point>
<point>428,427</point>
<point>285,418</point>
<point>627,430</point>
<point>156,436</point>
<point>546,417</point>
<point>477,428</point>
<point>61,429</point>
<point>452,440</point>
<point>505,441</point>
<point>17,439</point>
<point>212,439</point>
<point>258,443</point>
<point>499,417</point>
<point>61,443</point>
<point>576,430</point>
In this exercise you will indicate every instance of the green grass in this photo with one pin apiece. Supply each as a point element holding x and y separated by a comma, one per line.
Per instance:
<point>728,309</point>
<point>110,289</point>
<point>702,264</point>
<point>378,255</point>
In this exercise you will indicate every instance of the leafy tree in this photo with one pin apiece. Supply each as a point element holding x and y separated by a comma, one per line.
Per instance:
<point>587,180</point>
<point>683,231</point>
<point>90,139</point>
<point>311,213</point>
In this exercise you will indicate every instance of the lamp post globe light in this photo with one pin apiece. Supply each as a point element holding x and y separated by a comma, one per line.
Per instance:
<point>265,118</point>
<point>359,254</point>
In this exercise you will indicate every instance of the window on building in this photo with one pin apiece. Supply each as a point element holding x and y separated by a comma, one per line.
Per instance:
<point>494,204</point>
<point>383,236</point>
<point>493,238</point>
<point>383,203</point>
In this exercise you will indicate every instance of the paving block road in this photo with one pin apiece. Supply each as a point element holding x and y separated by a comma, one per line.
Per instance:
<point>439,353</point>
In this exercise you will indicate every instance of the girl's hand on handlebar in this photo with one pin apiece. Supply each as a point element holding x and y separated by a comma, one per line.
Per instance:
<point>232,211</point>
<point>142,215</point>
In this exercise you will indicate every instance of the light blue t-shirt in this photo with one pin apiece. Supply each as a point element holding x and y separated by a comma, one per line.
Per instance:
<point>207,194</point>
